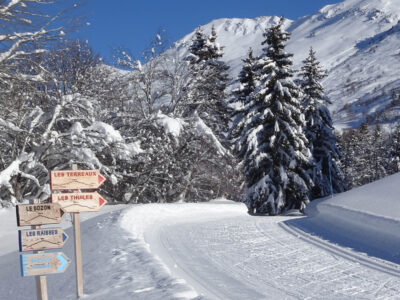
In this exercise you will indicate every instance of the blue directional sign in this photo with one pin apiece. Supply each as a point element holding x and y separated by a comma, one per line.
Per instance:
<point>43,263</point>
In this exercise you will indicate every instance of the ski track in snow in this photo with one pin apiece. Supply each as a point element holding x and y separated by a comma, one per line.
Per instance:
<point>262,258</point>
<point>206,251</point>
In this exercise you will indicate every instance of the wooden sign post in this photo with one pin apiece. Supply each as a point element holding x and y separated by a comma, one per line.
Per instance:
<point>77,202</point>
<point>37,238</point>
<point>77,235</point>
<point>35,215</point>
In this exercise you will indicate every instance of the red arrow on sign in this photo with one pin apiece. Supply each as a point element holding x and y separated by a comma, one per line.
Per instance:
<point>79,202</point>
<point>101,179</point>
<point>101,201</point>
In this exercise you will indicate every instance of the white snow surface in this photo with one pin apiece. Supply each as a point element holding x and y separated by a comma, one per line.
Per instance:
<point>347,247</point>
<point>171,126</point>
<point>111,135</point>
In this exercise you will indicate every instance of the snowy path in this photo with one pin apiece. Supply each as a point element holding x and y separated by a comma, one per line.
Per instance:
<point>115,266</point>
<point>261,258</point>
<point>204,251</point>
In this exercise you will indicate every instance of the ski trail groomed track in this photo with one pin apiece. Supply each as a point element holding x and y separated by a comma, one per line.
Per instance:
<point>246,257</point>
<point>373,263</point>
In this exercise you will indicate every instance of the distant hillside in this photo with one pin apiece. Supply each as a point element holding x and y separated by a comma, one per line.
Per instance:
<point>356,40</point>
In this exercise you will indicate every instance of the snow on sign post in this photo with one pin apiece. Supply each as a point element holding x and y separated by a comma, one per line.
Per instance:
<point>77,202</point>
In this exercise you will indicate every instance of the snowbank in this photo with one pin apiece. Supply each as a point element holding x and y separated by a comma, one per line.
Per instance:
<point>366,218</point>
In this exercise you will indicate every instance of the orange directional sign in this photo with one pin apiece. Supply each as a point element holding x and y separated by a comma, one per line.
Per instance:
<point>43,263</point>
<point>76,179</point>
<point>41,239</point>
<point>39,214</point>
<point>79,202</point>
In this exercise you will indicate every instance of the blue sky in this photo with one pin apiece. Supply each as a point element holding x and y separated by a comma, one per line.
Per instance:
<point>133,24</point>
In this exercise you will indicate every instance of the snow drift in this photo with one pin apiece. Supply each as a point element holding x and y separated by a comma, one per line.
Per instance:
<point>366,219</point>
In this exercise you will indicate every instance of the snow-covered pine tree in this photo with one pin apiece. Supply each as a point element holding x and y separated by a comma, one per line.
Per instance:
<point>346,147</point>
<point>198,50</point>
<point>240,97</point>
<point>394,150</point>
<point>274,147</point>
<point>362,156</point>
<point>247,78</point>
<point>319,131</point>
<point>379,155</point>
<point>207,95</point>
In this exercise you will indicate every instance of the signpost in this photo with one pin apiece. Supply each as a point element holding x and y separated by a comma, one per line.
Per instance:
<point>41,239</point>
<point>75,179</point>
<point>37,238</point>
<point>79,202</point>
<point>39,214</point>
<point>43,263</point>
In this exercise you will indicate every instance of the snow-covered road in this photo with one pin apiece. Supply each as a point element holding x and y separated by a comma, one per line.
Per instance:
<point>244,257</point>
<point>204,251</point>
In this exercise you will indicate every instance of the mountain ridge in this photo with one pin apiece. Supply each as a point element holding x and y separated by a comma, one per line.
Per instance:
<point>341,35</point>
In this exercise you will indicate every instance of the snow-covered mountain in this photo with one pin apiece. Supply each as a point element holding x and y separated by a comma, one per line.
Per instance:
<point>356,40</point>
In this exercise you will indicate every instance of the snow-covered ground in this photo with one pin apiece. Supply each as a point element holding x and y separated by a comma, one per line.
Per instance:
<point>347,247</point>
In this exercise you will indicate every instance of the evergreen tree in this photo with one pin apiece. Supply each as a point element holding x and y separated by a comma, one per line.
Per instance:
<point>209,80</point>
<point>247,80</point>
<point>319,131</point>
<point>347,145</point>
<point>379,155</point>
<point>274,147</point>
<point>362,156</point>
<point>394,151</point>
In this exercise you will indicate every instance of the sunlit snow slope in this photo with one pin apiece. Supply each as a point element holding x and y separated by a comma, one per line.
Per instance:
<point>356,40</point>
